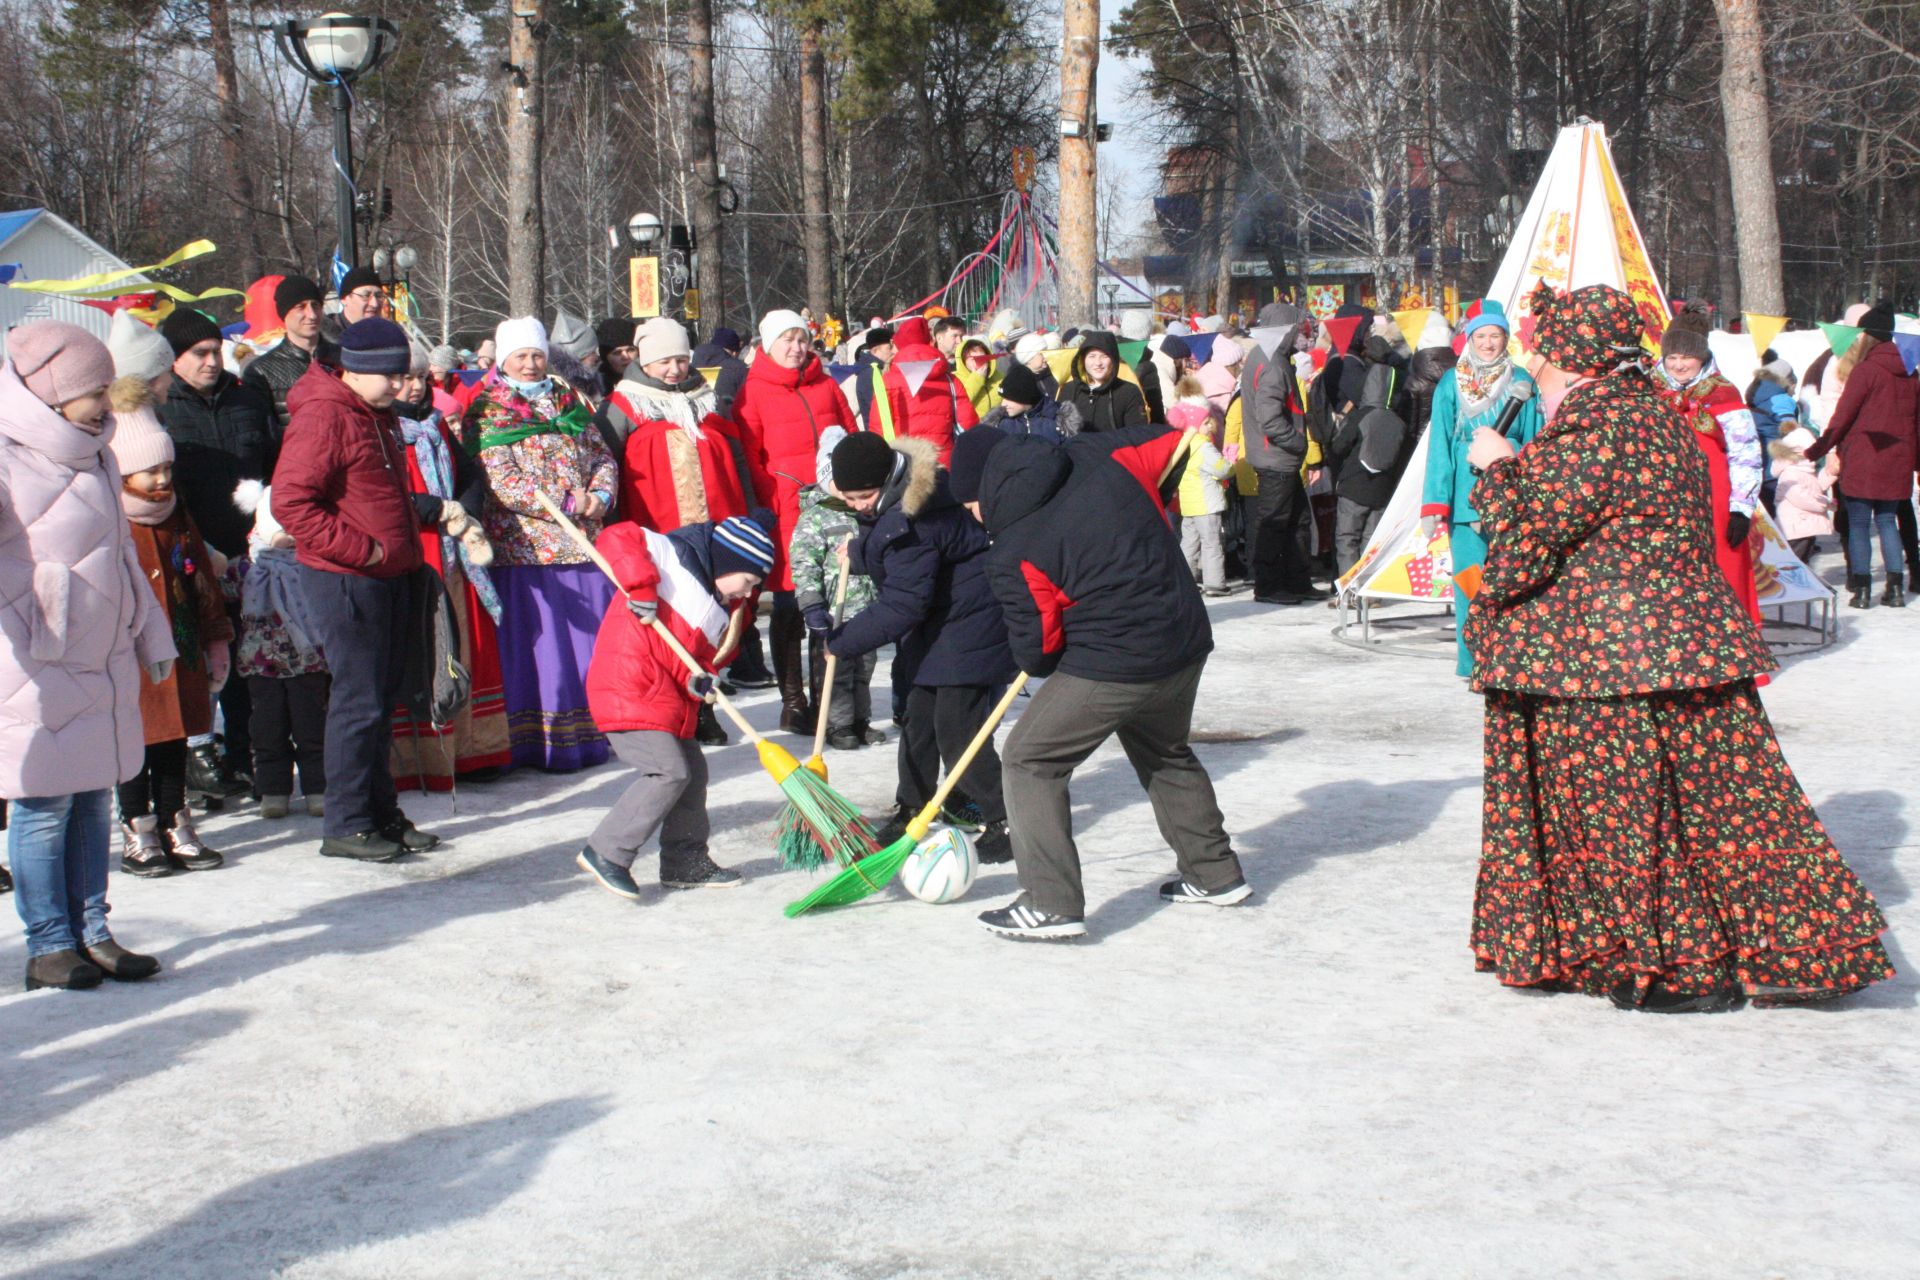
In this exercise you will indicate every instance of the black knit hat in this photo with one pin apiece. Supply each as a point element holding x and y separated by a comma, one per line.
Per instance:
<point>615,331</point>
<point>1878,323</point>
<point>1021,384</point>
<point>374,345</point>
<point>864,460</point>
<point>1686,335</point>
<point>294,290</point>
<point>969,460</point>
<point>184,328</point>
<point>360,278</point>
<point>1174,347</point>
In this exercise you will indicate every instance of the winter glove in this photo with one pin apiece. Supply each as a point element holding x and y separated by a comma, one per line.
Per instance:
<point>703,687</point>
<point>159,671</point>
<point>819,619</point>
<point>1738,526</point>
<point>645,610</point>
<point>455,518</point>
<point>428,508</point>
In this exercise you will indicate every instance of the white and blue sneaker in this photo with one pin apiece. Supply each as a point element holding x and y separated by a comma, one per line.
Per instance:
<point>1231,895</point>
<point>1021,921</point>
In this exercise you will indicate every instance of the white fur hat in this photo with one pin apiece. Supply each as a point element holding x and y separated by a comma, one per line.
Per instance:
<point>256,500</point>
<point>775,323</point>
<point>518,334</point>
<point>1030,346</point>
<point>138,351</point>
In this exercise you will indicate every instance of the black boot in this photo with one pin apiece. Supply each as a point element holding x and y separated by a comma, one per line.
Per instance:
<point>6,881</point>
<point>817,672</point>
<point>207,778</point>
<point>749,669</point>
<point>707,731</point>
<point>1862,597</point>
<point>787,629</point>
<point>121,964</point>
<point>1895,596</point>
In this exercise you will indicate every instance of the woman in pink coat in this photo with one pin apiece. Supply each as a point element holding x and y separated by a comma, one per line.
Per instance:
<point>1803,494</point>
<point>78,622</point>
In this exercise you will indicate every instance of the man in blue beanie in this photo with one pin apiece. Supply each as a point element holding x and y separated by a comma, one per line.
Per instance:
<point>340,488</point>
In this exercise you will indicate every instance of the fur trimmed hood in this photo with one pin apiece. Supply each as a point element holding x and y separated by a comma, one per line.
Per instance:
<point>130,394</point>
<point>913,485</point>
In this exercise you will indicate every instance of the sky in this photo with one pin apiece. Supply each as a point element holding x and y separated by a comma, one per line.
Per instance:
<point>1133,154</point>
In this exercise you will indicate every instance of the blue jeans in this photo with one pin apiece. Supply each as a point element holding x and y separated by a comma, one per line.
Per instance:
<point>59,848</point>
<point>1863,516</point>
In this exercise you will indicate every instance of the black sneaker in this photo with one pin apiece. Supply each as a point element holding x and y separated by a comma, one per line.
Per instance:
<point>368,846</point>
<point>698,872</point>
<point>993,845</point>
<point>1023,922</point>
<point>613,877</point>
<point>1227,896</point>
<point>895,825</point>
<point>401,831</point>
<point>966,815</point>
<point>844,740</point>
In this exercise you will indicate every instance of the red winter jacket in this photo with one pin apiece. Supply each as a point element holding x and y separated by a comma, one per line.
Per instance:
<point>341,483</point>
<point>635,683</point>
<point>666,477</point>
<point>940,409</point>
<point>1876,428</point>
<point>781,413</point>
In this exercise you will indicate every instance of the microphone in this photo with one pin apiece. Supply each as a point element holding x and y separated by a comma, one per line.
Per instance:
<point>1518,393</point>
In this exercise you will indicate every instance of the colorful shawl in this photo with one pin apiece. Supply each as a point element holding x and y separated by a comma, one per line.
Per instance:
<point>510,418</point>
<point>435,460</point>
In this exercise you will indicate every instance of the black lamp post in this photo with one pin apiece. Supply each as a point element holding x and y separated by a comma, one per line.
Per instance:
<point>337,49</point>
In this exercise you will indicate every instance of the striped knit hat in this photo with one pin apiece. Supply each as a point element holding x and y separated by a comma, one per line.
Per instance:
<point>741,544</point>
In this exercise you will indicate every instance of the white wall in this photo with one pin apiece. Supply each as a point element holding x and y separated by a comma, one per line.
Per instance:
<point>49,253</point>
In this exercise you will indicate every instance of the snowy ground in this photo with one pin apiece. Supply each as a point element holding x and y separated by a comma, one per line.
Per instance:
<point>474,1064</point>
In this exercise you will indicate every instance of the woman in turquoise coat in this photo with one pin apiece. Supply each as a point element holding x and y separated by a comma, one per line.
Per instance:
<point>1469,396</point>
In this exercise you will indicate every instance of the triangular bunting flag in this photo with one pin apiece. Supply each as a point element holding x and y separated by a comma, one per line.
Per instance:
<point>915,372</point>
<point>1341,330</point>
<point>1839,336</point>
<point>1060,363</point>
<point>1909,344</point>
<point>1764,329</point>
<point>1201,344</point>
<point>1411,323</point>
<point>1131,353</point>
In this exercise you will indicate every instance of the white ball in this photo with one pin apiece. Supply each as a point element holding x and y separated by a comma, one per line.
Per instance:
<point>942,868</point>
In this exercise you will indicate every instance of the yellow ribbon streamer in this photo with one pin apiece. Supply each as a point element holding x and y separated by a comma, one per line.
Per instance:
<point>87,284</point>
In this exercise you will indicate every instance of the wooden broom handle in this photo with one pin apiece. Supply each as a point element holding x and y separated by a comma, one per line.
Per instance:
<point>833,664</point>
<point>952,780</point>
<point>660,628</point>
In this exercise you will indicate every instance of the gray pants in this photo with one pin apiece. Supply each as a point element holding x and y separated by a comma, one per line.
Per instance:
<point>1066,721</point>
<point>668,796</point>
<point>852,702</point>
<point>1353,524</point>
<point>1200,542</point>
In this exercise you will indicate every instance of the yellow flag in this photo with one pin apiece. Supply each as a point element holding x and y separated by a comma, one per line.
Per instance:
<point>1763,330</point>
<point>91,284</point>
<point>1411,322</point>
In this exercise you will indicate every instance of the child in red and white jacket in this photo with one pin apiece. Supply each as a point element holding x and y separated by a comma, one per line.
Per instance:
<point>693,581</point>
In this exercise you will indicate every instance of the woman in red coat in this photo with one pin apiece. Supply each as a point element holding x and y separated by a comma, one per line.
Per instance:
<point>785,403</point>
<point>1876,431</point>
<point>938,408</point>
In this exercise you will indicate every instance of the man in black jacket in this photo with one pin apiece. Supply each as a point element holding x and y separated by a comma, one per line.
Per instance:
<point>298,300</point>
<point>927,557</point>
<point>1097,598</point>
<point>1276,430</point>
<point>223,432</point>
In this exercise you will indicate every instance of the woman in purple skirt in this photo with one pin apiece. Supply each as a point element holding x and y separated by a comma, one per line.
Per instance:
<point>534,434</point>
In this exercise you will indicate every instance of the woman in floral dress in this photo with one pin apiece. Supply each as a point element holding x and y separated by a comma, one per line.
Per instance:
<point>1643,836</point>
<point>534,434</point>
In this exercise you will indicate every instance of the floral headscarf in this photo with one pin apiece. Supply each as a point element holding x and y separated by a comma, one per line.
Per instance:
<point>1590,332</point>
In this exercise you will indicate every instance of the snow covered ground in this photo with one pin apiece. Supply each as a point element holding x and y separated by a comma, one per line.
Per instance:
<point>475,1064</point>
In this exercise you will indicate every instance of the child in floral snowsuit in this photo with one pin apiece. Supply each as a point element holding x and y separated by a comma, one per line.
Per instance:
<point>825,525</point>
<point>281,661</point>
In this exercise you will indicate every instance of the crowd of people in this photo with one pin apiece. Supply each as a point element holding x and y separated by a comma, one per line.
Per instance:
<point>372,565</point>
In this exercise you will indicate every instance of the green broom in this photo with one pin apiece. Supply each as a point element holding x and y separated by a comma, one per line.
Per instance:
<point>796,843</point>
<point>871,874</point>
<point>824,810</point>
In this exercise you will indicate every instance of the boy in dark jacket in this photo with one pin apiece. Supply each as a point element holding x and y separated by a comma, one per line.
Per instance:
<point>1098,598</point>
<point>1367,454</point>
<point>927,558</point>
<point>692,581</point>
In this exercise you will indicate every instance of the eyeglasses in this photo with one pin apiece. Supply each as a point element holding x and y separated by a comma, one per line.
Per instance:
<point>368,294</point>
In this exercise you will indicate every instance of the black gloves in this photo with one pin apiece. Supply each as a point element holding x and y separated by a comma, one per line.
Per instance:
<point>1738,527</point>
<point>818,618</point>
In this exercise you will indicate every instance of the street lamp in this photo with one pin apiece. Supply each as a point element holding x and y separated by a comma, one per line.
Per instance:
<point>337,49</point>
<point>643,229</point>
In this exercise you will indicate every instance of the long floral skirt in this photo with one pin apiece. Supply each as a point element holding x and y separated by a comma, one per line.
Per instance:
<point>426,758</point>
<point>549,617</point>
<point>1661,838</point>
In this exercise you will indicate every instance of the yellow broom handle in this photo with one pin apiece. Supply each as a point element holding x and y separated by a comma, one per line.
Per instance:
<point>924,819</point>
<point>667,637</point>
<point>833,664</point>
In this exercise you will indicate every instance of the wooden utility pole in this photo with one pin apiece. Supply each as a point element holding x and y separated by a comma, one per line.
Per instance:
<point>1743,108</point>
<point>818,241</point>
<point>709,240</point>
<point>526,129</point>
<point>1079,198</point>
<point>226,92</point>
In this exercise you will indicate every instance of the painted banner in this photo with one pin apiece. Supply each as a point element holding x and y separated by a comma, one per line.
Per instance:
<point>643,287</point>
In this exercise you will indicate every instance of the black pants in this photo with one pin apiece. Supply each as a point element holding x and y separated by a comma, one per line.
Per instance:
<point>937,726</point>
<point>1279,521</point>
<point>236,707</point>
<point>289,725</point>
<point>160,788</point>
<point>363,631</point>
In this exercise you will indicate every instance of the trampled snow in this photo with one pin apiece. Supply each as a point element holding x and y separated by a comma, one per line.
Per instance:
<point>474,1063</point>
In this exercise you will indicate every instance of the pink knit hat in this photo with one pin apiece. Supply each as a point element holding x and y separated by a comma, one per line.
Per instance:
<point>59,361</point>
<point>140,443</point>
